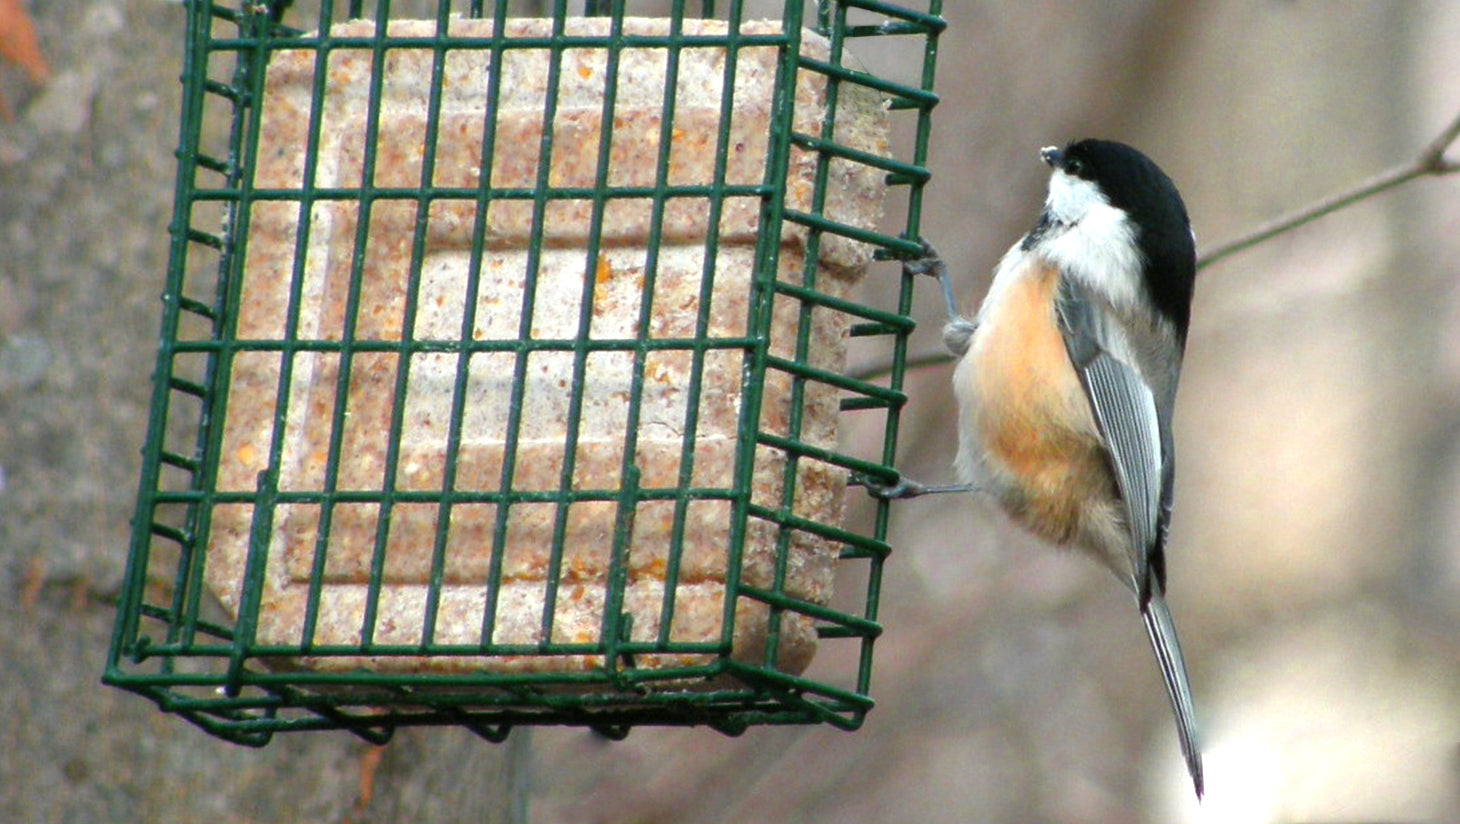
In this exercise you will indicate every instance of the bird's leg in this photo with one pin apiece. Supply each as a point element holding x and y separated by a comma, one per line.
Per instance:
<point>905,488</point>
<point>959,330</point>
<point>956,336</point>
<point>931,263</point>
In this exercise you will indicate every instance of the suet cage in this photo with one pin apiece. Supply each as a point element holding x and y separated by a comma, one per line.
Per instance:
<point>503,359</point>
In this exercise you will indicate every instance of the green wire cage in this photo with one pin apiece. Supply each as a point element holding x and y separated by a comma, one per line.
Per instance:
<point>502,376</point>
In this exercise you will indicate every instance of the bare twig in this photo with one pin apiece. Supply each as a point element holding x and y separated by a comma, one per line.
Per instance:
<point>1431,161</point>
<point>873,368</point>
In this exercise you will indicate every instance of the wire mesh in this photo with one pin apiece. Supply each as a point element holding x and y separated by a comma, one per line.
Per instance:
<point>385,486</point>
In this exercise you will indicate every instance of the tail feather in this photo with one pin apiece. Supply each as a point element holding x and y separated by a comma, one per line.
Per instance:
<point>1167,647</point>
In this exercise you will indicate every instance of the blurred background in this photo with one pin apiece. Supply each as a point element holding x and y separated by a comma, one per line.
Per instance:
<point>1315,555</point>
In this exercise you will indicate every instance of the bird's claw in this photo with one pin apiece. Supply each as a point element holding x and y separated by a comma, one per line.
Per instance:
<point>902,488</point>
<point>929,263</point>
<point>932,264</point>
<point>905,488</point>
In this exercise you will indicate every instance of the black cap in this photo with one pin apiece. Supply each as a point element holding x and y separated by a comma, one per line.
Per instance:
<point>1133,183</point>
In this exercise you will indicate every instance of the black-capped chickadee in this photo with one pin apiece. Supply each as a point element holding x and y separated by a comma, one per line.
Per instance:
<point>1067,377</point>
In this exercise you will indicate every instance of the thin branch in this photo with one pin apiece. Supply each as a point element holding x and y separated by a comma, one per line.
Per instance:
<point>1431,161</point>
<point>875,368</point>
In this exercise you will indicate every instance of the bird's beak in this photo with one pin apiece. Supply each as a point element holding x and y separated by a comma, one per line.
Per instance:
<point>1051,155</point>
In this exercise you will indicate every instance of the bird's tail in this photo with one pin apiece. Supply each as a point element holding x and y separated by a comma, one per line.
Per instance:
<point>1173,669</point>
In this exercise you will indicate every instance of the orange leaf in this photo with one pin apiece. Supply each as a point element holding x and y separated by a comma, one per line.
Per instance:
<point>18,43</point>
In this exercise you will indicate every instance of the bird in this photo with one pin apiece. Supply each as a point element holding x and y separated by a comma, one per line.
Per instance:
<point>1067,374</point>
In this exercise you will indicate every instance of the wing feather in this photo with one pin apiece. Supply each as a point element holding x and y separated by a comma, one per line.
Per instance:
<point>1162,632</point>
<point>1129,421</point>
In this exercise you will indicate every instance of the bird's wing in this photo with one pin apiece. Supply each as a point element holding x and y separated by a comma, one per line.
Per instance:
<point>1129,421</point>
<point>1138,438</point>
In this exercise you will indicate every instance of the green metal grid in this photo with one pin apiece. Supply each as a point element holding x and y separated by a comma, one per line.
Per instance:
<point>173,643</point>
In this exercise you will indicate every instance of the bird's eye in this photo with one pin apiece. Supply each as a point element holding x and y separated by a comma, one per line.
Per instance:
<point>1075,166</point>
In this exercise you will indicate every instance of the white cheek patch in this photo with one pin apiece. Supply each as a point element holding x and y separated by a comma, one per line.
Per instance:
<point>1070,197</point>
<point>1095,242</point>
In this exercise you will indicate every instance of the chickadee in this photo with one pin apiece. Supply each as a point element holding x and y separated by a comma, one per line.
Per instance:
<point>1067,378</point>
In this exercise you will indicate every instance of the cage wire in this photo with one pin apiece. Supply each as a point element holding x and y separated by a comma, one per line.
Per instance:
<point>462,414</point>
